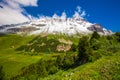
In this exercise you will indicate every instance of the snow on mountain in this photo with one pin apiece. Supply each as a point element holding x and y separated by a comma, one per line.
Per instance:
<point>55,25</point>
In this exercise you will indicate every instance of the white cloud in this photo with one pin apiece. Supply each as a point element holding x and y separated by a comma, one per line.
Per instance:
<point>12,11</point>
<point>79,13</point>
<point>10,16</point>
<point>76,15</point>
<point>78,9</point>
<point>63,16</point>
<point>55,16</point>
<point>83,14</point>
<point>26,2</point>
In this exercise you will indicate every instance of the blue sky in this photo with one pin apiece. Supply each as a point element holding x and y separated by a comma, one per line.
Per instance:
<point>104,12</point>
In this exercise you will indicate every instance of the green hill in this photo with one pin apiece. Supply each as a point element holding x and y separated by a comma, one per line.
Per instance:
<point>60,57</point>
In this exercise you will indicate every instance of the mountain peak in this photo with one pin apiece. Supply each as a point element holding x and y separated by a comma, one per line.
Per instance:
<point>56,24</point>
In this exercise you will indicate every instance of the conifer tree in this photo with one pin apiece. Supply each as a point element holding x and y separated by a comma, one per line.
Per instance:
<point>94,41</point>
<point>84,50</point>
<point>95,35</point>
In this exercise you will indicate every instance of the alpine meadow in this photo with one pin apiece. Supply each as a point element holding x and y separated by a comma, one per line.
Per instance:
<point>59,40</point>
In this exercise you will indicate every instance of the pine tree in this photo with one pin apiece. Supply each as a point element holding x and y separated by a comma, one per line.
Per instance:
<point>95,35</point>
<point>84,50</point>
<point>94,41</point>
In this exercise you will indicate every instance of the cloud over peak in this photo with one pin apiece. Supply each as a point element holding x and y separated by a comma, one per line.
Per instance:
<point>13,12</point>
<point>79,13</point>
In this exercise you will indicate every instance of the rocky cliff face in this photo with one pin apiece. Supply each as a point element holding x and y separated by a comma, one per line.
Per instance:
<point>99,29</point>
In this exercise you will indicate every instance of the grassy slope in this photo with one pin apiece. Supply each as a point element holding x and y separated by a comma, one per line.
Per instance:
<point>13,61</point>
<point>10,59</point>
<point>106,68</point>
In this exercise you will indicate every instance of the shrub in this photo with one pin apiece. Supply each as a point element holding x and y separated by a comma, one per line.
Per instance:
<point>65,61</point>
<point>95,44</point>
<point>41,68</point>
<point>59,60</point>
<point>68,62</point>
<point>117,34</point>
<point>51,66</point>
<point>53,70</point>
<point>1,73</point>
<point>73,48</point>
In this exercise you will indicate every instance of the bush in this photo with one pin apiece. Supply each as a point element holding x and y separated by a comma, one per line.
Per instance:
<point>1,73</point>
<point>117,34</point>
<point>65,61</point>
<point>53,70</point>
<point>51,66</point>
<point>59,60</point>
<point>68,62</point>
<point>95,44</point>
<point>41,68</point>
<point>73,48</point>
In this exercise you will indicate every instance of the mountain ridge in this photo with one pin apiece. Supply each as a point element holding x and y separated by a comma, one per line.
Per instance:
<point>55,25</point>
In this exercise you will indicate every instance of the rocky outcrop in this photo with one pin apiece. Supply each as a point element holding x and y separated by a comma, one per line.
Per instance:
<point>27,29</point>
<point>99,28</point>
<point>63,48</point>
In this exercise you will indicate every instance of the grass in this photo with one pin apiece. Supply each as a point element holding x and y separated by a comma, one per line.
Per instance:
<point>12,60</point>
<point>12,63</point>
<point>106,68</point>
<point>103,69</point>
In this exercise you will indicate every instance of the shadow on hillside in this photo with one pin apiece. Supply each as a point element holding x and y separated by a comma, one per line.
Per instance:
<point>40,44</point>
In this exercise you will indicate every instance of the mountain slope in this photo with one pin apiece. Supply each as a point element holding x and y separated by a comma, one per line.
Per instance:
<point>56,25</point>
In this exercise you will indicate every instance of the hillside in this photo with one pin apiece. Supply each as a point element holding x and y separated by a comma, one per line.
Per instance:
<point>60,57</point>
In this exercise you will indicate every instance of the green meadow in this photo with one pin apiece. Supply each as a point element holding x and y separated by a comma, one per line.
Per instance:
<point>60,57</point>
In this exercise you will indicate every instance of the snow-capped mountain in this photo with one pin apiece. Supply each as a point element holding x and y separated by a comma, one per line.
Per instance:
<point>55,25</point>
